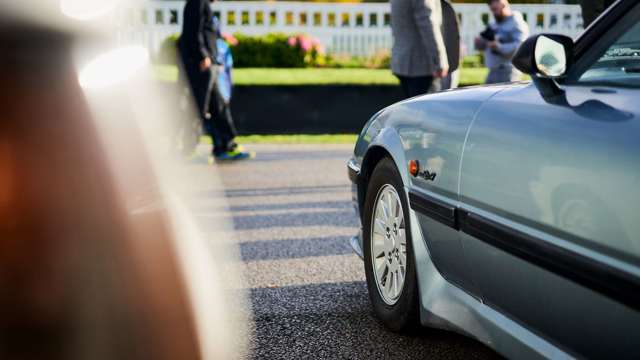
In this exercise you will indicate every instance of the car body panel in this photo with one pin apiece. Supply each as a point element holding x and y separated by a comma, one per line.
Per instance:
<point>498,168</point>
<point>436,142</point>
<point>447,306</point>
<point>410,135</point>
<point>559,173</point>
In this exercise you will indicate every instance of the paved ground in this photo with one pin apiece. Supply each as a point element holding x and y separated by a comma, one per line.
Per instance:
<point>293,218</point>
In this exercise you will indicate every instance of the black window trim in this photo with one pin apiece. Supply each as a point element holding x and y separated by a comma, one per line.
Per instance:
<point>594,33</point>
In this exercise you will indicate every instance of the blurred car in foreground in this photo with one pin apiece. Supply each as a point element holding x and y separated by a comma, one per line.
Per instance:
<point>510,213</point>
<point>99,258</point>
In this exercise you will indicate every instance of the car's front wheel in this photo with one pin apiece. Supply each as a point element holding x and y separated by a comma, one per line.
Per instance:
<point>389,262</point>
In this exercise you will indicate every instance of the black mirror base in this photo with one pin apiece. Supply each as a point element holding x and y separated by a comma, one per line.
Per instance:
<point>550,91</point>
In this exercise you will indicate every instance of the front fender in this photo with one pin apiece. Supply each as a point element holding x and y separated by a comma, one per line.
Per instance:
<point>389,140</point>
<point>431,129</point>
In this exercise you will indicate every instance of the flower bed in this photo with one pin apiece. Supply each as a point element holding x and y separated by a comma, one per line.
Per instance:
<point>277,50</point>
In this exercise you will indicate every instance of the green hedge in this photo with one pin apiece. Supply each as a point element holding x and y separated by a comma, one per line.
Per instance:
<point>270,50</point>
<point>168,52</point>
<point>277,50</point>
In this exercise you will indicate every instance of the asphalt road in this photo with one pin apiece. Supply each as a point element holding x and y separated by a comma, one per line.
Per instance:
<point>291,211</point>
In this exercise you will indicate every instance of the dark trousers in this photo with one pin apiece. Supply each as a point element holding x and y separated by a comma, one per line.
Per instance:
<point>200,83</point>
<point>418,85</point>
<point>223,130</point>
<point>214,113</point>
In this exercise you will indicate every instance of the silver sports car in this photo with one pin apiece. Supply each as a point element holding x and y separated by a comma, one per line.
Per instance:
<point>510,213</point>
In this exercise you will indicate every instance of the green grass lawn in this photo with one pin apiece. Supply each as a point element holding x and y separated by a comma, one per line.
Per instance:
<point>292,139</point>
<point>314,76</point>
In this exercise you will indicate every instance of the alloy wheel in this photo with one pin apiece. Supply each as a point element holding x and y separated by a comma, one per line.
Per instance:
<point>388,244</point>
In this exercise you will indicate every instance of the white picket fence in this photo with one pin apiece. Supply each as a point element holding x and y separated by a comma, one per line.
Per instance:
<point>344,28</point>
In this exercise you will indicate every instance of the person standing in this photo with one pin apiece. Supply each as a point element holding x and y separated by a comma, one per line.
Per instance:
<point>223,130</point>
<point>200,61</point>
<point>451,35</point>
<point>418,56</point>
<point>500,40</point>
<point>197,50</point>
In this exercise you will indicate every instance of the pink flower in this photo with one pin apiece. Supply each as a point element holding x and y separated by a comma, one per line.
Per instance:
<point>292,41</point>
<point>230,39</point>
<point>306,44</point>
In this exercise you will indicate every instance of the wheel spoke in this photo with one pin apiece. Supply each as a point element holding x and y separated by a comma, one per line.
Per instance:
<point>381,213</point>
<point>378,246</point>
<point>381,270</point>
<point>377,238</point>
<point>393,206</point>
<point>388,286</point>
<point>396,291</point>
<point>383,206</point>
<point>400,274</point>
<point>380,227</point>
<point>391,202</point>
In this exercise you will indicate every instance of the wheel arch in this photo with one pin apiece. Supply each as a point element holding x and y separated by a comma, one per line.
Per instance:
<point>387,145</point>
<point>374,155</point>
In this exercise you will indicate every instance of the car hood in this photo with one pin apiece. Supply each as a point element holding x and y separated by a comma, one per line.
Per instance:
<point>475,95</point>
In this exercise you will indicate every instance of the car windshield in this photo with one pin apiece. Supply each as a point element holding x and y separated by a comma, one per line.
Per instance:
<point>618,61</point>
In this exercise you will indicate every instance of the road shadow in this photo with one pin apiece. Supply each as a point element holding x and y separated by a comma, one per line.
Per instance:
<point>277,191</point>
<point>306,155</point>
<point>335,321</point>
<point>294,248</point>
<point>294,206</point>
<point>333,205</point>
<point>340,218</point>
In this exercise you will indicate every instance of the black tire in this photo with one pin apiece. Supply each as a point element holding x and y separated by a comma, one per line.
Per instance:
<point>403,315</point>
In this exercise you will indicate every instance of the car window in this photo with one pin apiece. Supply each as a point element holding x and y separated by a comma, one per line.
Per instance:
<point>616,60</point>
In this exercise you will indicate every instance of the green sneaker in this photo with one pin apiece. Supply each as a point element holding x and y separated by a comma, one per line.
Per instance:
<point>233,155</point>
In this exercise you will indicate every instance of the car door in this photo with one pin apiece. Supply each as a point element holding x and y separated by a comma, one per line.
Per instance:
<point>550,200</point>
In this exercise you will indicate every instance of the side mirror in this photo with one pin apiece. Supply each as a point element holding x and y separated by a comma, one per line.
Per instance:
<point>544,55</point>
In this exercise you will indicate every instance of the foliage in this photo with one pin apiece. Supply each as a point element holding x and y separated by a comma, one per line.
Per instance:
<point>298,139</point>
<point>472,61</point>
<point>168,52</point>
<point>270,50</point>
<point>277,50</point>
<point>290,139</point>
<point>380,60</point>
<point>511,1</point>
<point>314,76</point>
<point>311,76</point>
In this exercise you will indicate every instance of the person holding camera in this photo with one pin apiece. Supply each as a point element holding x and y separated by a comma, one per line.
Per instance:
<point>500,40</point>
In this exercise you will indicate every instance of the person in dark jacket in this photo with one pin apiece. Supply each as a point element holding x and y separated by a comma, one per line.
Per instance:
<point>198,51</point>
<point>200,62</point>
<point>451,36</point>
